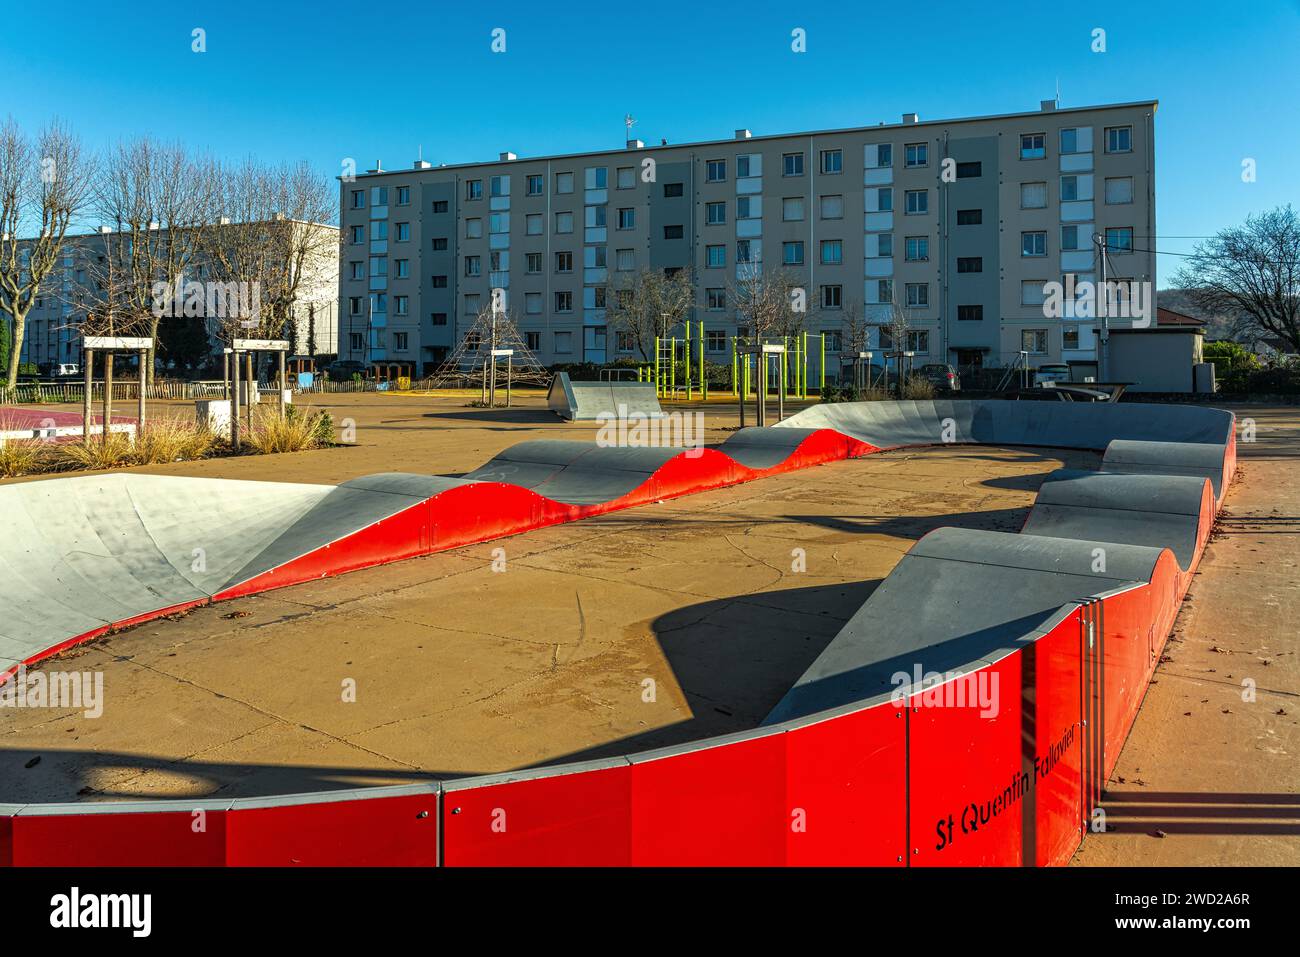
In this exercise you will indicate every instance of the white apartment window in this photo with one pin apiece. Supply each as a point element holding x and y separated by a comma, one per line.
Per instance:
<point>742,251</point>
<point>564,223</point>
<point>379,196</point>
<point>744,165</point>
<point>715,171</point>
<point>535,185</point>
<point>1031,292</point>
<point>533,263</point>
<point>716,299</point>
<point>1119,139</point>
<point>1119,239</point>
<point>533,340</point>
<point>499,260</point>
<point>792,164</point>
<point>358,269</point>
<point>832,161</point>
<point>473,189</point>
<point>403,268</point>
<point>918,295</point>
<point>625,260</point>
<point>918,340</point>
<point>1033,195</point>
<point>533,303</point>
<point>1070,141</point>
<point>595,217</point>
<point>354,305</point>
<point>1033,244</point>
<point>917,249</point>
<point>378,229</point>
<point>715,213</point>
<point>884,291</point>
<point>792,209</point>
<point>358,199</point>
<point>626,177</point>
<point>627,219</point>
<point>401,341</point>
<point>471,304</point>
<point>533,224</point>
<point>564,182</point>
<point>356,341</point>
<point>885,245</point>
<point>832,297</point>
<point>499,223</point>
<point>746,208</point>
<point>1070,238</point>
<point>378,266</point>
<point>1034,341</point>
<point>1033,146</point>
<point>499,185</point>
<point>563,343</point>
<point>473,266</point>
<point>885,199</point>
<point>918,201</point>
<point>715,256</point>
<point>564,262</point>
<point>401,304</point>
<point>564,302</point>
<point>916,154</point>
<point>473,229</point>
<point>832,252</point>
<point>832,207</point>
<point>1069,337</point>
<point>403,232</point>
<point>358,235</point>
<point>792,253</point>
<point>1119,190</point>
<point>596,177</point>
<point>884,155</point>
<point>1069,189</point>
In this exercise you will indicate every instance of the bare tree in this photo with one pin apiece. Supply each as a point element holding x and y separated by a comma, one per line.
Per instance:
<point>772,303</point>
<point>157,200</point>
<point>1252,270</point>
<point>274,231</point>
<point>43,186</point>
<point>648,304</point>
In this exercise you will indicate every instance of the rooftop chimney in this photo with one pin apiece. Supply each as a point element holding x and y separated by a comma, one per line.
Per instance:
<point>742,134</point>
<point>634,144</point>
<point>422,164</point>
<point>379,167</point>
<point>1047,106</point>
<point>910,118</point>
<point>507,156</point>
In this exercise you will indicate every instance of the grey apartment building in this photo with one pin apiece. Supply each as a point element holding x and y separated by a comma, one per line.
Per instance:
<point>960,222</point>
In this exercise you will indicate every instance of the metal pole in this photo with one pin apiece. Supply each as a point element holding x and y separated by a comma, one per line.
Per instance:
<point>686,357</point>
<point>510,365</point>
<point>225,375</point>
<point>234,400</point>
<point>780,396</point>
<point>735,369</point>
<point>139,415</point>
<point>658,393</point>
<point>704,385</point>
<point>89,358</point>
<point>108,394</point>
<point>283,384</point>
<point>741,400</point>
<point>492,384</point>
<point>821,365</point>
<point>760,391</point>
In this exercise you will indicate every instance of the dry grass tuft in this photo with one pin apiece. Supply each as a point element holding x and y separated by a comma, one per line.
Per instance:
<point>24,457</point>
<point>173,440</point>
<point>299,430</point>
<point>918,388</point>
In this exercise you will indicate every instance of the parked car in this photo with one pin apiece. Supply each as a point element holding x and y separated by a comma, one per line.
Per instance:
<point>1052,372</point>
<point>344,369</point>
<point>942,377</point>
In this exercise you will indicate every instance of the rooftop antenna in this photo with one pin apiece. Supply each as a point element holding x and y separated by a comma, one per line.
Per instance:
<point>1058,92</point>
<point>628,122</point>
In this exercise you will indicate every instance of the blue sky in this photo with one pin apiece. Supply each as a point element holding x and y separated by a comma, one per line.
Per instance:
<point>291,80</point>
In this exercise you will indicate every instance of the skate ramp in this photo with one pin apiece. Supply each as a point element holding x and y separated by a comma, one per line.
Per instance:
<point>958,600</point>
<point>1193,458</point>
<point>588,401</point>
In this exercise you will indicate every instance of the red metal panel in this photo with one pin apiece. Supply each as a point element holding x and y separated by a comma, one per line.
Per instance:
<point>399,831</point>
<point>581,819</point>
<point>719,806</point>
<point>966,775</point>
<point>1050,718</point>
<point>6,840</point>
<point>846,788</point>
<point>121,839</point>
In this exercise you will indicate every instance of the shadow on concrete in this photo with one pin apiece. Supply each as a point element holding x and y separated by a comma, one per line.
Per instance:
<point>1161,813</point>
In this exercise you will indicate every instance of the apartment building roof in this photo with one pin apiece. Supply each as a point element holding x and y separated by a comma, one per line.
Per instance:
<point>904,124</point>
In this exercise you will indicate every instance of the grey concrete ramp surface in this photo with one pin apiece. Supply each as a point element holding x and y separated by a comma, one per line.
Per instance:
<point>586,401</point>
<point>1174,457</point>
<point>82,553</point>
<point>572,472</point>
<point>1003,422</point>
<point>757,448</point>
<point>1162,511</point>
<point>959,599</point>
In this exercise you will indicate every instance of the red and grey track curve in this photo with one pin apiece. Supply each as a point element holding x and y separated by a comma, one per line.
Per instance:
<point>1065,619</point>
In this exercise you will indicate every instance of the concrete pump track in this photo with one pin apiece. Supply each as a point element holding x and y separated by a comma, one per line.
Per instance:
<point>1028,654</point>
